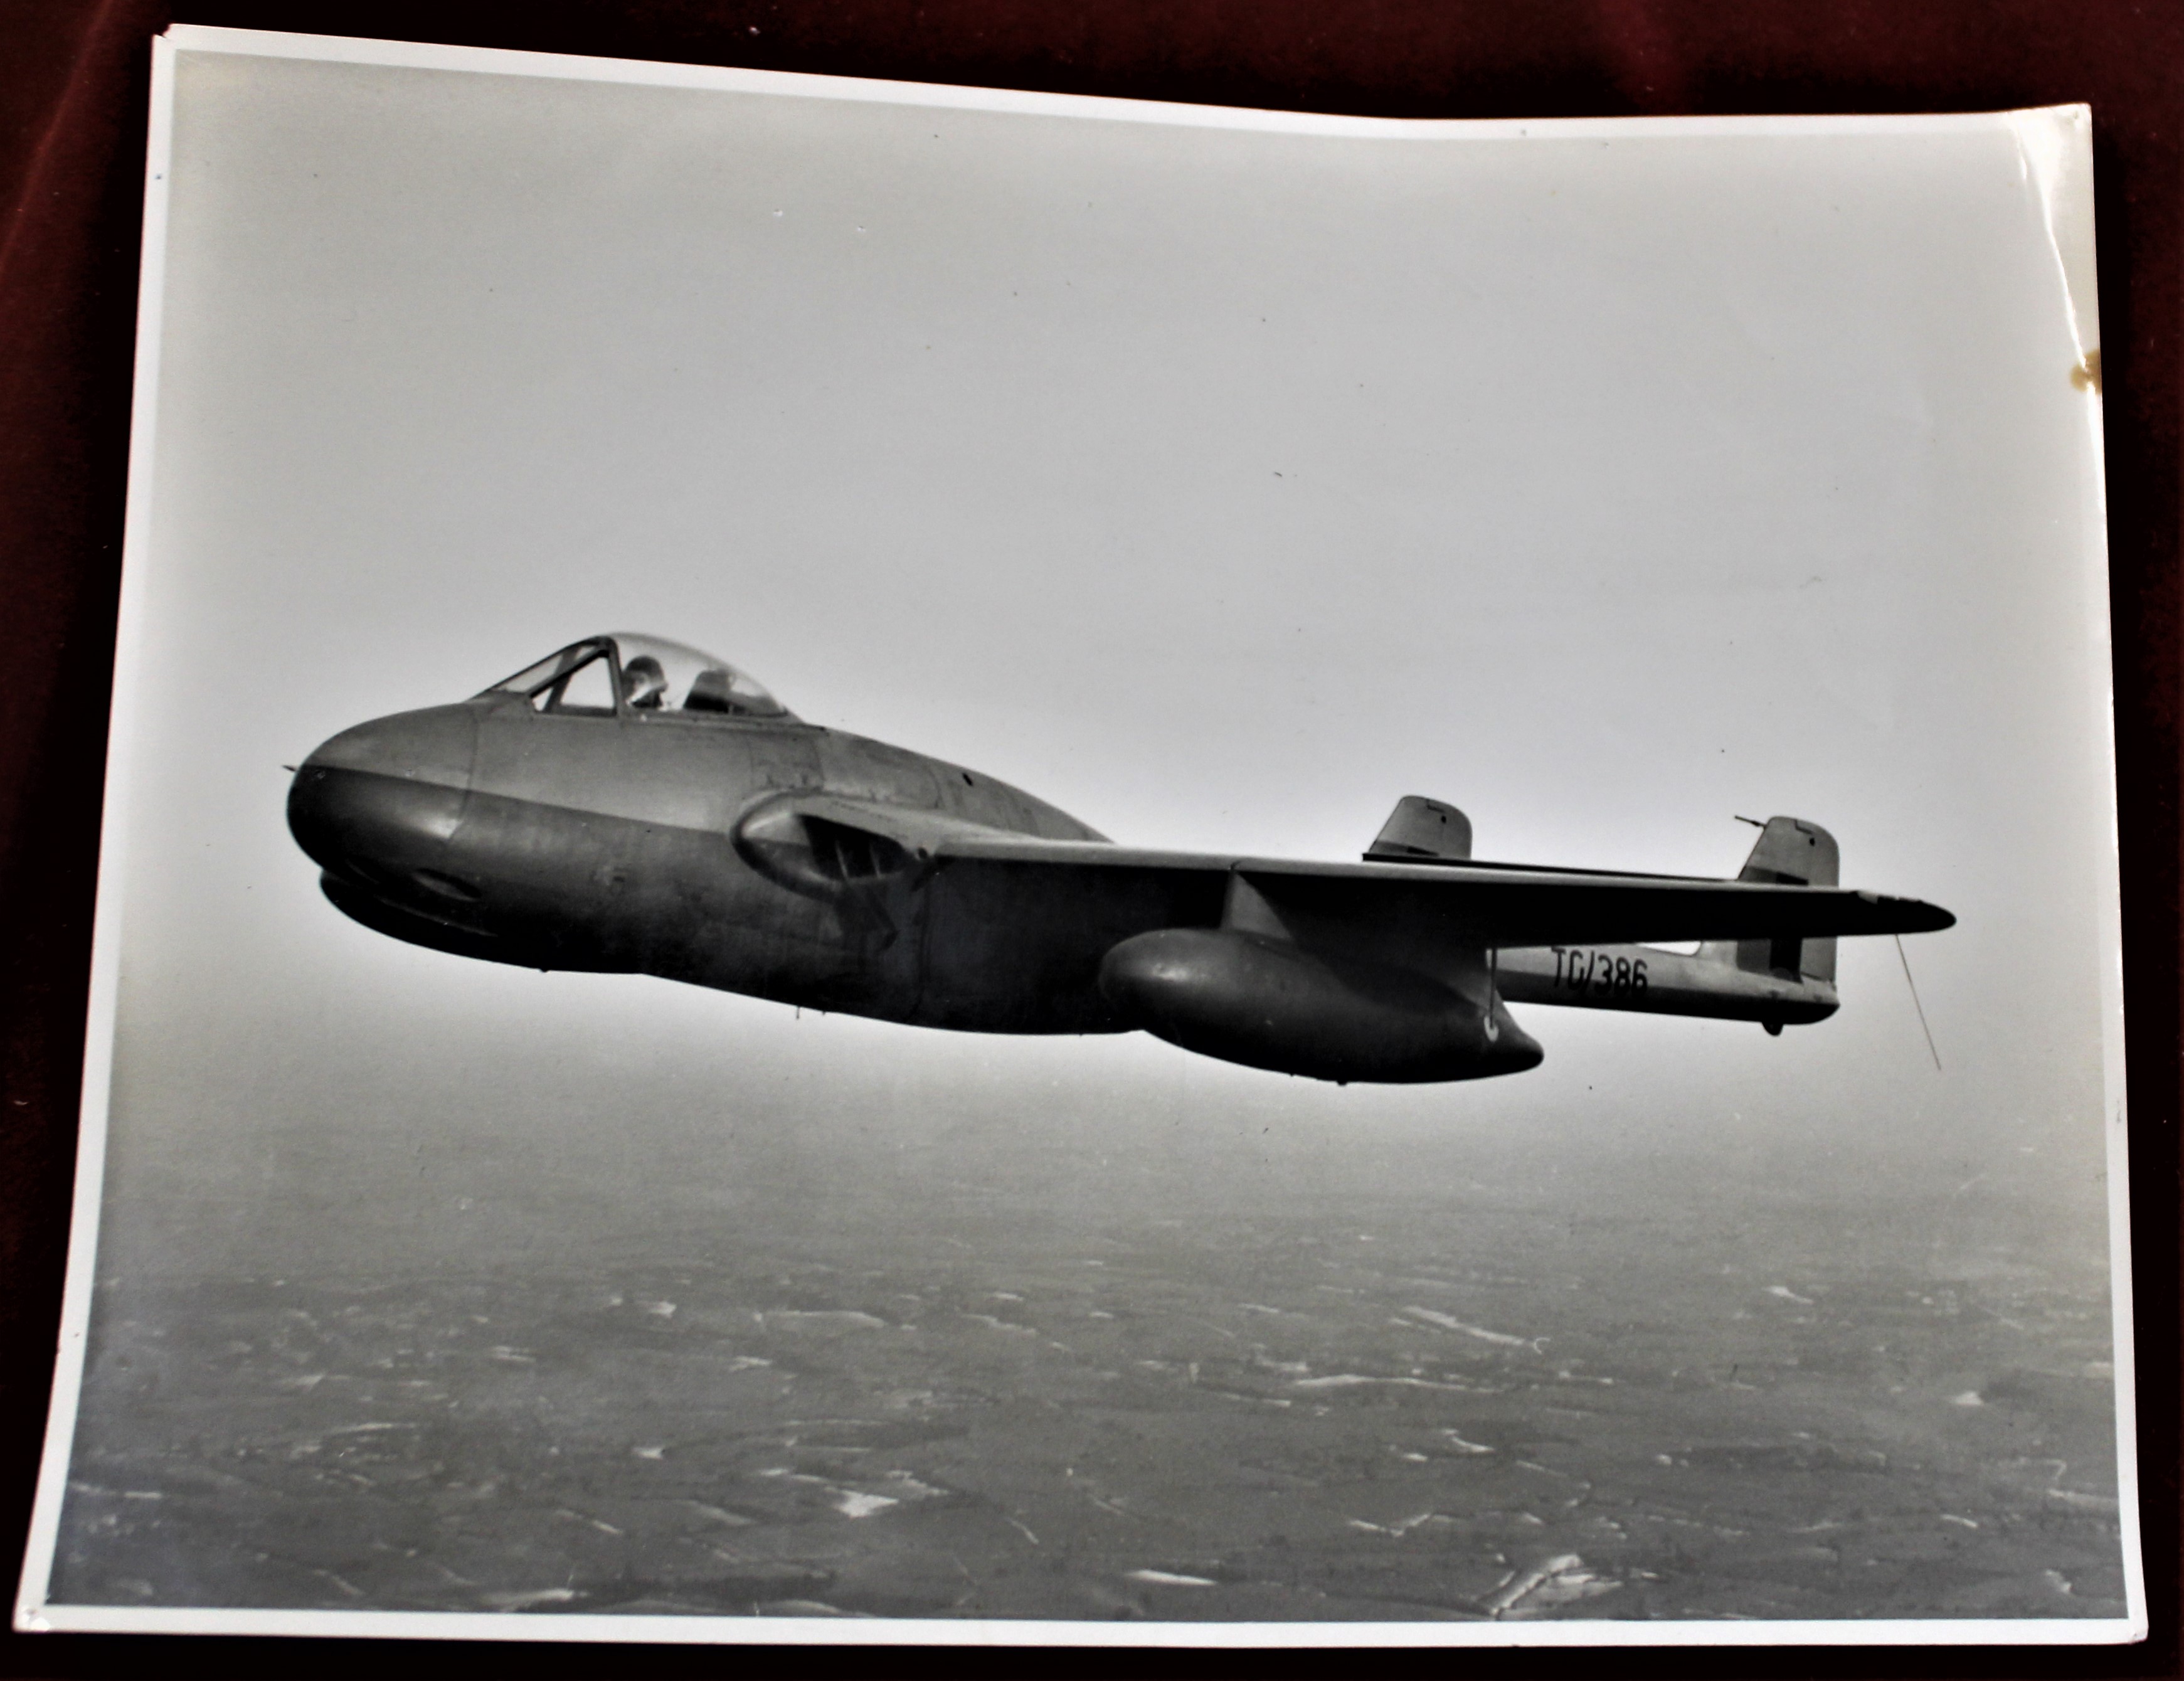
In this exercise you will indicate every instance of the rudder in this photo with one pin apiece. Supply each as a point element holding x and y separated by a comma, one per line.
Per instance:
<point>1790,852</point>
<point>1422,830</point>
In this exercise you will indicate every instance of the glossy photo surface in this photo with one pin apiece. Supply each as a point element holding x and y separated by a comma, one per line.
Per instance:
<point>1096,972</point>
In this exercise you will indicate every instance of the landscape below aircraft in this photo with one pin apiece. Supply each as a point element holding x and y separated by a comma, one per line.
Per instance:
<point>630,805</point>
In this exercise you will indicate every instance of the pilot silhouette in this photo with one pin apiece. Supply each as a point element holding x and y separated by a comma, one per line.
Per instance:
<point>644,683</point>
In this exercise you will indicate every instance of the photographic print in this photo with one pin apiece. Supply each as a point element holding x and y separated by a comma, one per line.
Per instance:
<point>881,858</point>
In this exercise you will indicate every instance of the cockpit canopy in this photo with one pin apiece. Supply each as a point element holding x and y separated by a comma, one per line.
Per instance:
<point>642,675</point>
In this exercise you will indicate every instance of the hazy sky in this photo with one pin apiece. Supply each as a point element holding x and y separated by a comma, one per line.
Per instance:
<point>1220,486</point>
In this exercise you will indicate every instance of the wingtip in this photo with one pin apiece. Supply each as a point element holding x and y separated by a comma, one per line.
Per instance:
<point>1932,919</point>
<point>1911,916</point>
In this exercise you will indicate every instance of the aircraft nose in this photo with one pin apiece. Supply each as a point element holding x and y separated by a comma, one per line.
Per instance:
<point>378,802</point>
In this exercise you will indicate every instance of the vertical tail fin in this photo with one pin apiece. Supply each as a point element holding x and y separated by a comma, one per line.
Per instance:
<point>1422,828</point>
<point>1797,854</point>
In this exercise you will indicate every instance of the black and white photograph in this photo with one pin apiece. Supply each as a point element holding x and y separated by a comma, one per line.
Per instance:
<point>885,862</point>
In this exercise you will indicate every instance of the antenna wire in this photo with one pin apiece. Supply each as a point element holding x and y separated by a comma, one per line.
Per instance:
<point>1915,1004</point>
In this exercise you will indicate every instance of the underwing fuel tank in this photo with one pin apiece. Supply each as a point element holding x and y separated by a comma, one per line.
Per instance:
<point>1266,1002</point>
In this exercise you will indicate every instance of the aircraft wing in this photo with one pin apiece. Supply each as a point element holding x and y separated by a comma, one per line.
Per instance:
<point>1113,889</point>
<point>1486,906</point>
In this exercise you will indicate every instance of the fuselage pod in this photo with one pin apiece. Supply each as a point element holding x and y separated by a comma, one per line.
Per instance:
<point>1246,998</point>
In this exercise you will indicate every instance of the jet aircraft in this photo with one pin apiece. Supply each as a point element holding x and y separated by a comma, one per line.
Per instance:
<point>630,805</point>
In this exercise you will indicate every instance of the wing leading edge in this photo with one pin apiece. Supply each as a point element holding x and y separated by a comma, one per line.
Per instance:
<point>1481,905</point>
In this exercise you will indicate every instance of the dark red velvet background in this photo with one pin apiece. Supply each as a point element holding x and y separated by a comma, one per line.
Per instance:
<point>73,77</point>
